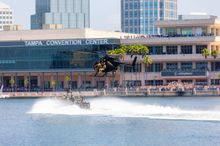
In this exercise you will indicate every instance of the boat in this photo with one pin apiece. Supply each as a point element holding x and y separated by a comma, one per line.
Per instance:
<point>77,100</point>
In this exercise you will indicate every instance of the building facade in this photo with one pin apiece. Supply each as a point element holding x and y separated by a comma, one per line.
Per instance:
<point>139,16</point>
<point>69,13</point>
<point>177,54</point>
<point>6,15</point>
<point>40,56</point>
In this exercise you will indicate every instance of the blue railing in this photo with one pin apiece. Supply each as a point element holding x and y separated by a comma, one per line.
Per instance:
<point>184,73</point>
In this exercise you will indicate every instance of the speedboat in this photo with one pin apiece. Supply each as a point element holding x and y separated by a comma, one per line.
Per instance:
<point>77,100</point>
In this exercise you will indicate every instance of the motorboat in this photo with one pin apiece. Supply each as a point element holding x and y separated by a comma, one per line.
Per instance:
<point>77,100</point>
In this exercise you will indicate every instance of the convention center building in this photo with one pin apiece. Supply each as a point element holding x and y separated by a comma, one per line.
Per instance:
<point>42,56</point>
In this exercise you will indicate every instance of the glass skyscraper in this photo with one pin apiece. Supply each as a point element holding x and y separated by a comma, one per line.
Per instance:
<point>139,16</point>
<point>69,13</point>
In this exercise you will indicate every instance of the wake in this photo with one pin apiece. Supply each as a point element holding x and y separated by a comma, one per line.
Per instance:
<point>115,107</point>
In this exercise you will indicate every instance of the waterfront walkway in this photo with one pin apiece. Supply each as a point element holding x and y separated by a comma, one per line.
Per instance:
<point>119,92</point>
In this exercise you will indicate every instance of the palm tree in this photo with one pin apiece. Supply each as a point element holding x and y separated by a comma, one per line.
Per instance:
<point>205,53</point>
<point>53,84</point>
<point>121,51</point>
<point>12,83</point>
<point>147,61</point>
<point>26,82</point>
<point>67,80</point>
<point>214,53</point>
<point>133,50</point>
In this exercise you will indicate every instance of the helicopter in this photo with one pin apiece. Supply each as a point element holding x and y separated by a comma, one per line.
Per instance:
<point>106,64</point>
<point>109,64</point>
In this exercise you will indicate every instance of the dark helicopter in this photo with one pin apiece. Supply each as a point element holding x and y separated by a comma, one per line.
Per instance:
<point>109,64</point>
<point>106,64</point>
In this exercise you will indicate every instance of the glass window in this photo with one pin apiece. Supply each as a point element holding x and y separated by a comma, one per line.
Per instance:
<point>155,67</point>
<point>186,66</point>
<point>215,82</point>
<point>186,49</point>
<point>187,31</point>
<point>199,48</point>
<point>131,83</point>
<point>171,49</point>
<point>201,82</point>
<point>201,65</point>
<point>17,56</point>
<point>156,50</point>
<point>172,66</point>
<point>153,82</point>
<point>215,66</point>
<point>131,69</point>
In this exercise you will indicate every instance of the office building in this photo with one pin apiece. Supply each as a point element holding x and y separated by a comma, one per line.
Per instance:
<point>177,53</point>
<point>6,15</point>
<point>139,16</point>
<point>68,13</point>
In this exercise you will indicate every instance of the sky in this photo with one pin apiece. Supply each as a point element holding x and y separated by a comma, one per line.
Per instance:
<point>105,14</point>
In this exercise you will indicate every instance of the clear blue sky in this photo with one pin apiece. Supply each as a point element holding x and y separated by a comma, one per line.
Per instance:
<point>105,14</point>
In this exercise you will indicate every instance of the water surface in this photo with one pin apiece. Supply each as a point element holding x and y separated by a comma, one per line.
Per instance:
<point>111,122</point>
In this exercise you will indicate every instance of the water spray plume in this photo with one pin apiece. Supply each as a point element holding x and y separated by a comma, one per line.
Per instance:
<point>116,107</point>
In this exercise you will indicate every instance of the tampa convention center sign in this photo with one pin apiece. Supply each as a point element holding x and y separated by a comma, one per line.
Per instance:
<point>68,42</point>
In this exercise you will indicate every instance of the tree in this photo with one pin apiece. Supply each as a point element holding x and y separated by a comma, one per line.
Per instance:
<point>67,79</point>
<point>26,83</point>
<point>133,50</point>
<point>12,83</point>
<point>121,51</point>
<point>214,53</point>
<point>147,60</point>
<point>53,84</point>
<point>205,53</point>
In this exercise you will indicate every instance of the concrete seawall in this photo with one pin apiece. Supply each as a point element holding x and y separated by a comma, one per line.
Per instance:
<point>109,94</point>
<point>47,94</point>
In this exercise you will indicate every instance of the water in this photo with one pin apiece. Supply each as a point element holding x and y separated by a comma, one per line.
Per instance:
<point>111,122</point>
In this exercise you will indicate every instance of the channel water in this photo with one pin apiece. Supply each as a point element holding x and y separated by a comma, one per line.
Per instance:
<point>111,122</point>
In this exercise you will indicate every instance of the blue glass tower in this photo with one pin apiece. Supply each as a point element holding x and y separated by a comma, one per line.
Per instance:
<point>139,16</point>
<point>69,13</point>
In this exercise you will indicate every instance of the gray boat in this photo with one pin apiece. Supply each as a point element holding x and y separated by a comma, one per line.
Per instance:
<point>77,100</point>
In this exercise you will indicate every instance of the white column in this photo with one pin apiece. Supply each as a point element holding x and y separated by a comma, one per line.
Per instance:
<point>194,49</point>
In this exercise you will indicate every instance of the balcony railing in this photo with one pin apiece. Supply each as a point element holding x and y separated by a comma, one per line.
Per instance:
<point>168,73</point>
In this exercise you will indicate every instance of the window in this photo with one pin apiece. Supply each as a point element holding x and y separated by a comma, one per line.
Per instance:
<point>187,81</point>
<point>131,83</point>
<point>131,69</point>
<point>171,49</point>
<point>199,48</point>
<point>186,49</point>
<point>172,66</point>
<point>187,31</point>
<point>186,66</point>
<point>201,82</point>
<point>155,67</point>
<point>156,50</point>
<point>215,82</point>
<point>153,82</point>
<point>215,66</point>
<point>201,65</point>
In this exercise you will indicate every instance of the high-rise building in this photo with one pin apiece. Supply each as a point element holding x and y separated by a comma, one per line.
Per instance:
<point>6,17</point>
<point>69,13</point>
<point>139,16</point>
